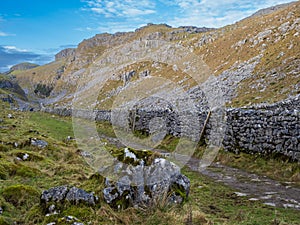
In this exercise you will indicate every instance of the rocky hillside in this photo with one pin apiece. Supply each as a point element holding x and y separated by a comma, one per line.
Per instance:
<point>10,90</point>
<point>253,61</point>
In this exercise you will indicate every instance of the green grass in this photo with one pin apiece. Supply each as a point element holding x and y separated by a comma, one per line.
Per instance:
<point>56,127</point>
<point>105,128</point>
<point>21,183</point>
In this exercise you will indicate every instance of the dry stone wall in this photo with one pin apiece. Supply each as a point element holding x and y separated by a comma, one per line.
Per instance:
<point>263,129</point>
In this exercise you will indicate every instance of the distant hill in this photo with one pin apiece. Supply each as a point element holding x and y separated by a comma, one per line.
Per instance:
<point>272,9</point>
<point>23,66</point>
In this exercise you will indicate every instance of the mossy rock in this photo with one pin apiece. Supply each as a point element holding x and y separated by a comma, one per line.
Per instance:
<point>141,155</point>
<point>21,195</point>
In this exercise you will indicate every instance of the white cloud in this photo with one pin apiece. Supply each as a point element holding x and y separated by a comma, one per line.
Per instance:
<point>3,34</point>
<point>215,13</point>
<point>112,27</point>
<point>125,15</point>
<point>121,8</point>
<point>9,49</point>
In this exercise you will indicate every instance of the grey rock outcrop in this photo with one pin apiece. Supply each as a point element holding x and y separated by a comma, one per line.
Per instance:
<point>145,185</point>
<point>76,196</point>
<point>55,197</point>
<point>194,30</point>
<point>12,86</point>
<point>65,53</point>
<point>56,194</point>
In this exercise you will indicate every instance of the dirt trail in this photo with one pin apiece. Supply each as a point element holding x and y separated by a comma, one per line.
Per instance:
<point>252,186</point>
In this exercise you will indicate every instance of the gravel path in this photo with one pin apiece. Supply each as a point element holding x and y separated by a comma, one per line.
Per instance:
<point>253,186</point>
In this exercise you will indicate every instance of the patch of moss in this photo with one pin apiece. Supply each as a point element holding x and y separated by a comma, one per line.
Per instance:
<point>169,143</point>
<point>4,221</point>
<point>27,171</point>
<point>81,212</point>
<point>4,148</point>
<point>35,215</point>
<point>21,195</point>
<point>6,169</point>
<point>179,191</point>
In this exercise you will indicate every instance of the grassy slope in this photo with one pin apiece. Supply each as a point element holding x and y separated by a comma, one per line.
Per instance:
<point>220,55</point>
<point>59,164</point>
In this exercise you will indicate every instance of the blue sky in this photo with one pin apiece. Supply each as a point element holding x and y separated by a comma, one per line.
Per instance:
<point>35,30</point>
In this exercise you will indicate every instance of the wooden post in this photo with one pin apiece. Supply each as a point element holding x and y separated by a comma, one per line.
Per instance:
<point>204,126</point>
<point>133,122</point>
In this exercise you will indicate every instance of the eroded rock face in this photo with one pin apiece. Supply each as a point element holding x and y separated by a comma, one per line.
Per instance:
<point>142,185</point>
<point>55,197</point>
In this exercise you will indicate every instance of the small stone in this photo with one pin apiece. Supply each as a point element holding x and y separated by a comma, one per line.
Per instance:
<point>270,204</point>
<point>10,116</point>
<point>70,218</point>
<point>239,194</point>
<point>1,210</point>
<point>84,154</point>
<point>39,143</point>
<point>69,138</point>
<point>51,208</point>
<point>25,157</point>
